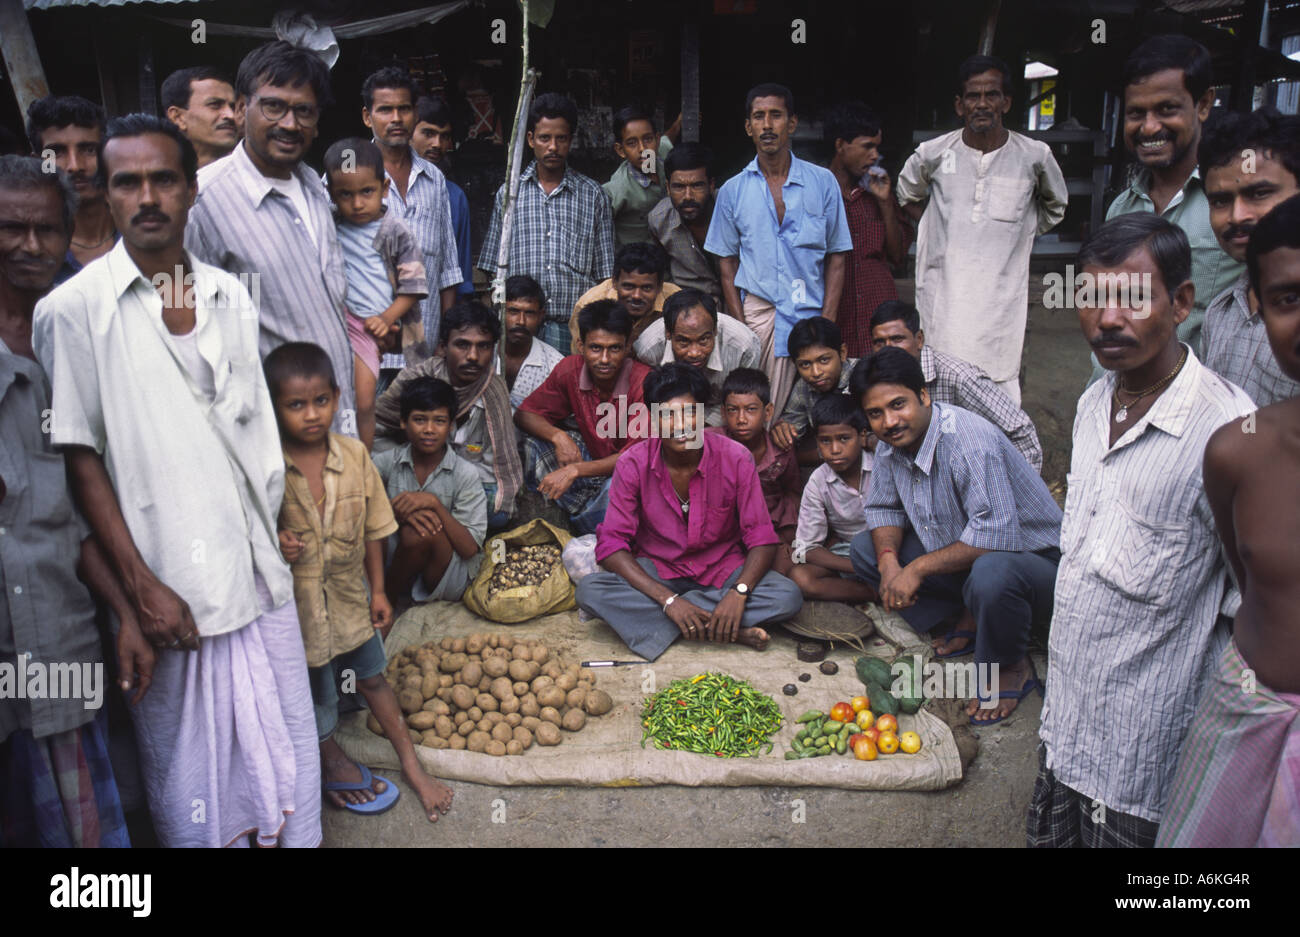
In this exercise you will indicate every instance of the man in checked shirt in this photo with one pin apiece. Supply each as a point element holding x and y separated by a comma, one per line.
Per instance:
<point>1136,625</point>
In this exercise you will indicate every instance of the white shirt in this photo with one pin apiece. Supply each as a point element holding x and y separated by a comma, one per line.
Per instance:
<point>199,484</point>
<point>187,349</point>
<point>534,369</point>
<point>1137,593</point>
<point>974,241</point>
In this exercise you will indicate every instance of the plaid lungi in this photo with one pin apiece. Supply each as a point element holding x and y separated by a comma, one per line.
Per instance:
<point>540,461</point>
<point>1238,778</point>
<point>59,792</point>
<point>555,332</point>
<point>1062,818</point>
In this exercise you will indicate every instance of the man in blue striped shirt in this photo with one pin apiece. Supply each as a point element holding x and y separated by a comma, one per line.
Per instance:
<point>960,527</point>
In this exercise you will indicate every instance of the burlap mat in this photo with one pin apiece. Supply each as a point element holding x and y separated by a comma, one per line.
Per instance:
<point>608,751</point>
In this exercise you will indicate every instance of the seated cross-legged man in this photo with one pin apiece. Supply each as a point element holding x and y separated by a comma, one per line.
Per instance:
<point>960,526</point>
<point>687,543</point>
<point>600,388</point>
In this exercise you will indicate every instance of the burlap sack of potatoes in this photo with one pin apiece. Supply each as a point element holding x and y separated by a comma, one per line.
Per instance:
<point>511,606</point>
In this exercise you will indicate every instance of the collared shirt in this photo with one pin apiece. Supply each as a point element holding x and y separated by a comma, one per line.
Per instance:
<point>460,223</point>
<point>966,482</point>
<point>829,506</point>
<point>974,242</point>
<point>329,578</point>
<point>243,225</point>
<point>199,482</point>
<point>782,262</point>
<point>607,423</point>
<point>564,240</point>
<point>689,266</point>
<point>454,482</point>
<point>384,262</point>
<point>868,277</point>
<point>534,369</point>
<point>1137,593</point>
<point>427,212</point>
<point>1213,271</point>
<point>727,516</point>
<point>951,380</point>
<point>607,290</point>
<point>799,407</point>
<point>735,346</point>
<point>45,611</point>
<point>778,476</point>
<point>633,194</point>
<point>1236,347</point>
<point>72,266</point>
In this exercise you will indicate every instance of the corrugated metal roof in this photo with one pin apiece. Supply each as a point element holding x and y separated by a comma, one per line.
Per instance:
<point>1203,6</point>
<point>60,4</point>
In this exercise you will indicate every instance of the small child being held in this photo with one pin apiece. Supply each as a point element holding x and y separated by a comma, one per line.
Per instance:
<point>438,499</point>
<point>746,410</point>
<point>385,269</point>
<point>831,512</point>
<point>333,496</point>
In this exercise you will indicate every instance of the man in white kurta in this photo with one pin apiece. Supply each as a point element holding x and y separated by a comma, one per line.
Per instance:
<point>990,191</point>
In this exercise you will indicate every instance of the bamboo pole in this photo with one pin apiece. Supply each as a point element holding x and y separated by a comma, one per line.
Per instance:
<point>527,82</point>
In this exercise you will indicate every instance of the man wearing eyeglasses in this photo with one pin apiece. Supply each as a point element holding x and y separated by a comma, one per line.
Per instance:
<point>264,215</point>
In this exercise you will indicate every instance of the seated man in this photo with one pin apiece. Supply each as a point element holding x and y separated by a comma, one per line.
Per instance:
<point>948,379</point>
<point>822,361</point>
<point>529,360</point>
<point>637,283</point>
<point>831,510</point>
<point>687,544</point>
<point>482,432</point>
<point>437,499</point>
<point>691,332</point>
<point>601,389</point>
<point>747,407</point>
<point>960,527</point>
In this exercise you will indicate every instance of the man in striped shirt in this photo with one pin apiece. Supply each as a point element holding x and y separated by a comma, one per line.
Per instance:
<point>1135,626</point>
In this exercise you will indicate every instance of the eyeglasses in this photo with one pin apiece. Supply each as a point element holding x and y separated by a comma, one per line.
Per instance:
<point>273,109</point>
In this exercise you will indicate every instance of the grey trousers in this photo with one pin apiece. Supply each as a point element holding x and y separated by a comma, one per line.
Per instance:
<point>640,620</point>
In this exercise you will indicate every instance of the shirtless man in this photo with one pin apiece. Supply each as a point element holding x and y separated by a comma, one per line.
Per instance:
<point>1240,767</point>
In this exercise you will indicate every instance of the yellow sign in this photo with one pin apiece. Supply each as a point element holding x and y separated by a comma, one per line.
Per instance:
<point>1047,106</point>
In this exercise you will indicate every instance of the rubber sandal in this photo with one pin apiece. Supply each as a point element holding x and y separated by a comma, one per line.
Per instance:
<point>381,803</point>
<point>968,649</point>
<point>1033,683</point>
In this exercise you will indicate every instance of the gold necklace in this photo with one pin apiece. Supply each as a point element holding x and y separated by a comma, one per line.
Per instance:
<point>1122,414</point>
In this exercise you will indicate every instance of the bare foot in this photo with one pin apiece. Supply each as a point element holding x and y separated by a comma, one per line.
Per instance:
<point>434,795</point>
<point>756,638</point>
<point>1010,679</point>
<point>338,767</point>
<point>944,646</point>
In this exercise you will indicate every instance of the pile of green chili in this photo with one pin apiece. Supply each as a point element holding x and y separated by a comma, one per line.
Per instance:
<point>712,714</point>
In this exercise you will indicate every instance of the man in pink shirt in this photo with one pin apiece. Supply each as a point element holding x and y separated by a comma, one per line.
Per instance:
<point>687,542</point>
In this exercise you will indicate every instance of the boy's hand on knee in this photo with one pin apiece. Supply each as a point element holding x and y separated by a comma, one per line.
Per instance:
<point>290,546</point>
<point>425,523</point>
<point>558,482</point>
<point>409,502</point>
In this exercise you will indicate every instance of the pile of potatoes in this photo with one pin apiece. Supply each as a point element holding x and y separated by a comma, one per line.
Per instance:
<point>490,693</point>
<point>524,566</point>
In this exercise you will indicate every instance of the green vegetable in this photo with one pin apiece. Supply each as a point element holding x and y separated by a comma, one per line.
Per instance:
<point>873,670</point>
<point>882,700</point>
<point>794,744</point>
<point>842,745</point>
<point>711,714</point>
<point>910,704</point>
<point>791,755</point>
<point>810,715</point>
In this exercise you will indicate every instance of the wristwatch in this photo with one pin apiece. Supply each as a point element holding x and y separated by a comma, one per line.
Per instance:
<point>742,589</point>
<point>671,599</point>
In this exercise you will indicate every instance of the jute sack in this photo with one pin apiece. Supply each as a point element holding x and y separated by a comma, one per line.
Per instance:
<point>510,606</point>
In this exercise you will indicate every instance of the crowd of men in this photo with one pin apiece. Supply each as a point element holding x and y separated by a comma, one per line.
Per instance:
<point>251,410</point>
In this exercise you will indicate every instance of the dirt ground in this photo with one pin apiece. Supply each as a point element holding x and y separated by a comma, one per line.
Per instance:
<point>987,808</point>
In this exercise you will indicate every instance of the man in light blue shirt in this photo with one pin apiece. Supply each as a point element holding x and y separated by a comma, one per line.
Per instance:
<point>781,236</point>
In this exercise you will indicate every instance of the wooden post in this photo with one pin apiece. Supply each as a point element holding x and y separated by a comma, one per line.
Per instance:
<point>990,28</point>
<point>22,61</point>
<point>1243,86</point>
<point>690,83</point>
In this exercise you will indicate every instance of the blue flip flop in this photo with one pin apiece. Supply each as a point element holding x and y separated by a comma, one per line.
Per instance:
<point>968,649</point>
<point>1033,683</point>
<point>381,802</point>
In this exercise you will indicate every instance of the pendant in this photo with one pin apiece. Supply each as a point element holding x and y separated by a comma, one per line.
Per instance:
<point>1122,415</point>
<point>686,507</point>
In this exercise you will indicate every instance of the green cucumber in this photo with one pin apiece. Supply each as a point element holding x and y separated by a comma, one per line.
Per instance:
<point>810,715</point>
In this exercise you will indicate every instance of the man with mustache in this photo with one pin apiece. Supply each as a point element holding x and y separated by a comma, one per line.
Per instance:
<point>990,191</point>
<point>528,359</point>
<point>174,454</point>
<point>264,215</point>
<point>483,430</point>
<point>781,236</point>
<point>70,128</point>
<point>434,140</point>
<point>1136,627</point>
<point>637,283</point>
<point>417,191</point>
<point>563,232</point>
<point>201,102</point>
<point>1251,163</point>
<point>680,222</point>
<point>1168,94</point>
<point>47,613</point>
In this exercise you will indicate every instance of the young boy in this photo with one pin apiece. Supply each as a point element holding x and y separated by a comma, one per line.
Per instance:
<point>831,511</point>
<point>438,499</point>
<point>333,496</point>
<point>385,269</point>
<point>746,409</point>
<point>822,360</point>
<point>638,183</point>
